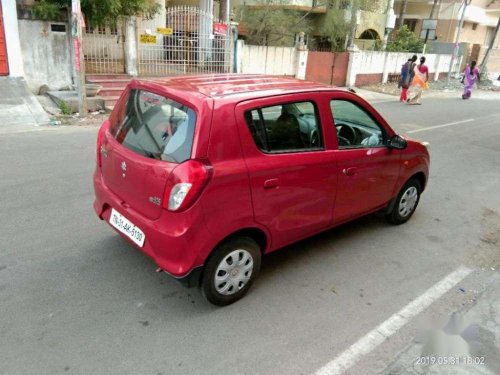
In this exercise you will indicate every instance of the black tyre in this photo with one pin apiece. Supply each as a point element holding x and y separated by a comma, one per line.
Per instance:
<point>406,202</point>
<point>231,270</point>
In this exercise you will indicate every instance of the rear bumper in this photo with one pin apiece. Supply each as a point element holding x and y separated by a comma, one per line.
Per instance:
<point>178,242</point>
<point>192,279</point>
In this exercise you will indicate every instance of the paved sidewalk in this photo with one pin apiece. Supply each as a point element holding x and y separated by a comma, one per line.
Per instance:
<point>468,344</point>
<point>373,94</point>
<point>19,109</point>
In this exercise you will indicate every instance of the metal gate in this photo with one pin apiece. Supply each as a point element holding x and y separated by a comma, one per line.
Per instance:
<point>103,48</point>
<point>327,67</point>
<point>184,40</point>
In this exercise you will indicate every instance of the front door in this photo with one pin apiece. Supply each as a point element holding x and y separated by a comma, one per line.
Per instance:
<point>4,62</point>
<point>292,175</point>
<point>368,169</point>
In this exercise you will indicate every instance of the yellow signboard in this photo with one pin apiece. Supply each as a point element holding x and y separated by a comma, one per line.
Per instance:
<point>164,30</point>
<point>147,39</point>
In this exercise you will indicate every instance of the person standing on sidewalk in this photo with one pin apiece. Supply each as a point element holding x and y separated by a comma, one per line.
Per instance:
<point>471,73</point>
<point>407,73</point>
<point>419,82</point>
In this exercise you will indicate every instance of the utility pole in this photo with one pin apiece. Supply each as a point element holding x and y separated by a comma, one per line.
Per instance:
<point>390,21</point>
<point>224,10</point>
<point>402,11</point>
<point>354,23</point>
<point>455,50</point>
<point>76,32</point>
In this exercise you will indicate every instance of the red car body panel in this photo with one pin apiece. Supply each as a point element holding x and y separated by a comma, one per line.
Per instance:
<point>284,197</point>
<point>292,193</point>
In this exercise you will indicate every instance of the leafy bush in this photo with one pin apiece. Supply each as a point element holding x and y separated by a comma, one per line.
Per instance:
<point>405,41</point>
<point>65,108</point>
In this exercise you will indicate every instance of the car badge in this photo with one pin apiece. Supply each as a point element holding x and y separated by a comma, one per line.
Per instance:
<point>155,200</point>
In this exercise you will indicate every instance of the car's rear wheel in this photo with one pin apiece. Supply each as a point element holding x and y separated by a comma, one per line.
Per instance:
<point>230,271</point>
<point>406,202</point>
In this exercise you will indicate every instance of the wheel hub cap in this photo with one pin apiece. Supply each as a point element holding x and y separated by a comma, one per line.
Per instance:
<point>233,272</point>
<point>408,201</point>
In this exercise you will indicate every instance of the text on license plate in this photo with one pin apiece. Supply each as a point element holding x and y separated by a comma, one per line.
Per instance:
<point>124,225</point>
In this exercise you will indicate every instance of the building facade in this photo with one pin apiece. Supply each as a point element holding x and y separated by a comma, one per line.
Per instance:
<point>480,20</point>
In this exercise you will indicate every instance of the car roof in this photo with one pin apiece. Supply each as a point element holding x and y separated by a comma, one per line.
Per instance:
<point>241,85</point>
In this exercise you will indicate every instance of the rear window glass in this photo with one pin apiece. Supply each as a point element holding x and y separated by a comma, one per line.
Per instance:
<point>156,127</point>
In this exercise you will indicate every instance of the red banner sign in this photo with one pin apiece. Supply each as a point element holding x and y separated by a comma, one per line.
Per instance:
<point>76,48</point>
<point>220,29</point>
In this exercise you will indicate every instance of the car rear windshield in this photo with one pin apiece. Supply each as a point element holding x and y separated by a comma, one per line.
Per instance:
<point>155,126</point>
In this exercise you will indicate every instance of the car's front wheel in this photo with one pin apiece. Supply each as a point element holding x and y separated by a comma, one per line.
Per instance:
<point>230,271</point>
<point>406,202</point>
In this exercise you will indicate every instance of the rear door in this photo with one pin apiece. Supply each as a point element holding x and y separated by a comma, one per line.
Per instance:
<point>147,139</point>
<point>292,175</point>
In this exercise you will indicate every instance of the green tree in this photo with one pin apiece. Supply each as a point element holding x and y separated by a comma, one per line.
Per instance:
<point>335,28</point>
<point>98,11</point>
<point>405,41</point>
<point>270,23</point>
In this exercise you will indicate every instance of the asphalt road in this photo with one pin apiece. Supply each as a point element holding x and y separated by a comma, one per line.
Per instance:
<point>76,298</point>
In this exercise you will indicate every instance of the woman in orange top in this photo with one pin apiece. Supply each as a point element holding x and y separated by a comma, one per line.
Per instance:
<point>419,82</point>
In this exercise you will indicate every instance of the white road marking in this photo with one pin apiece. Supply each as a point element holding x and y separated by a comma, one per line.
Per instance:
<point>378,335</point>
<point>440,126</point>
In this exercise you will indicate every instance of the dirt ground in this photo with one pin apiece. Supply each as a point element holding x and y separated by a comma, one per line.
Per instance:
<point>92,119</point>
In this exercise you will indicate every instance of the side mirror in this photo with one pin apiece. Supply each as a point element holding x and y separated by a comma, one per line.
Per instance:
<point>397,142</point>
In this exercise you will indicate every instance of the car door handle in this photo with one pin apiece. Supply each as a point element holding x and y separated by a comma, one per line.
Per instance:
<point>271,183</point>
<point>349,171</point>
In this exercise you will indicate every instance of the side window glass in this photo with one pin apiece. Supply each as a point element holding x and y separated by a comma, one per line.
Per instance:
<point>291,127</point>
<point>355,127</point>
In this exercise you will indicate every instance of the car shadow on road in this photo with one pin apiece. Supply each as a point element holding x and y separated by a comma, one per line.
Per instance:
<point>122,267</point>
<point>314,249</point>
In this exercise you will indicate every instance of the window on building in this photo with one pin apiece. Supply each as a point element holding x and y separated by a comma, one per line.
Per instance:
<point>114,29</point>
<point>474,26</point>
<point>101,30</point>
<point>489,35</point>
<point>89,29</point>
<point>57,28</point>
<point>411,23</point>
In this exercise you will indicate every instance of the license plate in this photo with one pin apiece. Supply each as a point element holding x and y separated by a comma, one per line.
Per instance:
<point>125,226</point>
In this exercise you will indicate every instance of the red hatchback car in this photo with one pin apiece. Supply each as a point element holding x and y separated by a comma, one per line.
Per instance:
<point>207,173</point>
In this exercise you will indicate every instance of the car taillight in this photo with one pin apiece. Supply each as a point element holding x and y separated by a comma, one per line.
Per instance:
<point>185,184</point>
<point>100,136</point>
